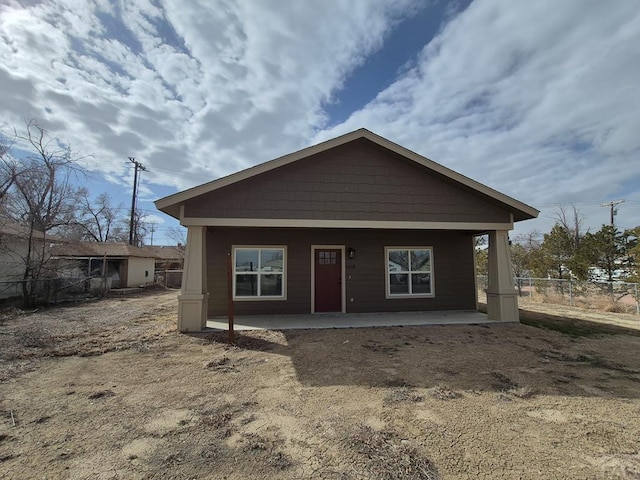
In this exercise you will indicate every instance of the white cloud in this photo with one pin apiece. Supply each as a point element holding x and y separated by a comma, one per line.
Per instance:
<point>539,99</point>
<point>154,219</point>
<point>196,88</point>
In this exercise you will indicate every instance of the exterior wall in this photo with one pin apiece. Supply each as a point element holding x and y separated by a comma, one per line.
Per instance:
<point>356,181</point>
<point>13,250</point>
<point>453,267</point>
<point>11,267</point>
<point>140,271</point>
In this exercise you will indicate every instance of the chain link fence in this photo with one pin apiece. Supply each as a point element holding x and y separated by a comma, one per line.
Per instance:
<point>618,297</point>
<point>169,278</point>
<point>52,290</point>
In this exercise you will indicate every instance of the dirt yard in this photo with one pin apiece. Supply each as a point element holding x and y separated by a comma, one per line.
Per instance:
<point>109,390</point>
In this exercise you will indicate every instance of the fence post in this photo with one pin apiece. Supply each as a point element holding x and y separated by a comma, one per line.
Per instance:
<point>530,289</point>
<point>103,281</point>
<point>570,292</point>
<point>637,301</point>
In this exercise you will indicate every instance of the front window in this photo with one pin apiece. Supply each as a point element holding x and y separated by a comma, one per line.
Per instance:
<point>409,271</point>
<point>258,272</point>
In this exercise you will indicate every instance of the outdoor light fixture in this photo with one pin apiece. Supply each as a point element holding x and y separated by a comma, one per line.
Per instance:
<point>351,253</point>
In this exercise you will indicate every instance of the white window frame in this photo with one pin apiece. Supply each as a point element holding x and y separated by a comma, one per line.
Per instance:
<point>387,272</point>
<point>259,298</point>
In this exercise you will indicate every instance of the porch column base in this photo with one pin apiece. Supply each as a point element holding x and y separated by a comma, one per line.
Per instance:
<point>192,311</point>
<point>503,307</point>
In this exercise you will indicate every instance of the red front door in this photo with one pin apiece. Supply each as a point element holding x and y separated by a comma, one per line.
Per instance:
<point>328,280</point>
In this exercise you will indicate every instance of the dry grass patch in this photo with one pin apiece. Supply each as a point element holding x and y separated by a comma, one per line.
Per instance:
<point>522,392</point>
<point>402,394</point>
<point>221,364</point>
<point>443,392</point>
<point>266,450</point>
<point>381,455</point>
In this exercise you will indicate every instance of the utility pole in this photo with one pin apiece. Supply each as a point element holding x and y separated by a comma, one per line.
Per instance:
<point>137,167</point>
<point>613,209</point>
<point>152,229</point>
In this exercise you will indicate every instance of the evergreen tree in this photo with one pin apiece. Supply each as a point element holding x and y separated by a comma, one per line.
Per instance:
<point>558,248</point>
<point>605,249</point>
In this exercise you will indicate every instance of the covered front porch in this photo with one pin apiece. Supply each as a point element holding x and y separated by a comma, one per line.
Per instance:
<point>193,300</point>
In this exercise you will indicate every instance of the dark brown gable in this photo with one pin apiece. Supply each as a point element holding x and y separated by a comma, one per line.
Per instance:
<point>355,181</point>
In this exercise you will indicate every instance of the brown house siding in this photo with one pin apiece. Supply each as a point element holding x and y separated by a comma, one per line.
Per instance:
<point>452,262</point>
<point>356,181</point>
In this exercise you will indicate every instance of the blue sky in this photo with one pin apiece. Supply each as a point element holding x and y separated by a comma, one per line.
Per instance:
<point>539,100</point>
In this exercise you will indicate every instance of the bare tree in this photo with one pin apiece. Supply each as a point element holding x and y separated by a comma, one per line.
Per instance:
<point>140,227</point>
<point>41,198</point>
<point>571,220</point>
<point>9,168</point>
<point>44,195</point>
<point>98,220</point>
<point>178,235</point>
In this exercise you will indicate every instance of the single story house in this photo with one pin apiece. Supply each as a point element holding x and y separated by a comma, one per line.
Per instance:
<point>126,265</point>
<point>354,224</point>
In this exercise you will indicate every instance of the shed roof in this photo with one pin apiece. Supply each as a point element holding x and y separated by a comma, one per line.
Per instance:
<point>173,252</point>
<point>521,211</point>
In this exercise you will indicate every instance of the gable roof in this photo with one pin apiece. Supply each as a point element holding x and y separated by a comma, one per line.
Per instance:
<point>171,204</point>
<point>98,249</point>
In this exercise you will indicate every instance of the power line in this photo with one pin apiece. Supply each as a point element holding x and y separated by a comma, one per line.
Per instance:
<point>180,174</point>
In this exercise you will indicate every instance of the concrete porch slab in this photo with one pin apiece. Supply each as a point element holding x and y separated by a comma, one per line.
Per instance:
<point>349,320</point>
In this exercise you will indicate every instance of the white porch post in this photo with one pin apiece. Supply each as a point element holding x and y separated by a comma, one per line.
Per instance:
<point>193,297</point>
<point>502,299</point>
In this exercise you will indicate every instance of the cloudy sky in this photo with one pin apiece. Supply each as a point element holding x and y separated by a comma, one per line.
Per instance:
<point>540,100</point>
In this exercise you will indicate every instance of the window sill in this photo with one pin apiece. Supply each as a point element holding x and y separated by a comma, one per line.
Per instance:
<point>258,299</point>
<point>405,296</point>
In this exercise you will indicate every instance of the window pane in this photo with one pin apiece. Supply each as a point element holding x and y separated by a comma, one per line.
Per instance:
<point>420,283</point>
<point>398,283</point>
<point>398,260</point>
<point>246,285</point>
<point>271,285</point>
<point>271,260</point>
<point>420,260</point>
<point>246,260</point>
